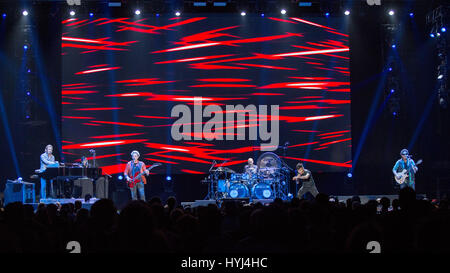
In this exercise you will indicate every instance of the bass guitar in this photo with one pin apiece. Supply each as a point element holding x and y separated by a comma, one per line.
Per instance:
<point>137,177</point>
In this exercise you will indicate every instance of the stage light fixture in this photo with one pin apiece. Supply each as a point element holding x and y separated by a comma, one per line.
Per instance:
<point>327,14</point>
<point>390,68</point>
<point>391,12</point>
<point>72,13</point>
<point>394,46</point>
<point>168,178</point>
<point>262,14</point>
<point>432,35</point>
<point>25,13</point>
<point>177,13</point>
<point>438,34</point>
<point>283,11</point>
<point>349,175</point>
<point>91,14</point>
<point>411,14</point>
<point>120,177</point>
<point>347,12</point>
<point>220,4</point>
<point>28,93</point>
<point>137,12</point>
<point>200,4</point>
<point>443,103</point>
<point>25,47</point>
<point>4,15</point>
<point>392,90</point>
<point>116,4</point>
<point>157,15</point>
<point>443,29</point>
<point>440,77</point>
<point>243,13</point>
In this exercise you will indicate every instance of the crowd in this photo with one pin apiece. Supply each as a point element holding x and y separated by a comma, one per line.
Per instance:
<point>305,226</point>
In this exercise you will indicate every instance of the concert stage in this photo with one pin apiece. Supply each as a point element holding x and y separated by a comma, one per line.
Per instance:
<point>84,204</point>
<point>202,92</point>
<point>363,198</point>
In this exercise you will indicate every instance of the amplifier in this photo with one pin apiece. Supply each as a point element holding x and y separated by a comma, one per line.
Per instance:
<point>83,187</point>
<point>19,192</point>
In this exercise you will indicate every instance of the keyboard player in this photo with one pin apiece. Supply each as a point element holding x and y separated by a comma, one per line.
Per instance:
<point>47,160</point>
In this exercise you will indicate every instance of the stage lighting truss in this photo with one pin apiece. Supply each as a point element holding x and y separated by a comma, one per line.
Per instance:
<point>438,21</point>
<point>28,82</point>
<point>392,88</point>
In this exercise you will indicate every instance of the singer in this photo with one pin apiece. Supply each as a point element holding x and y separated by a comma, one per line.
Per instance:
<point>406,163</point>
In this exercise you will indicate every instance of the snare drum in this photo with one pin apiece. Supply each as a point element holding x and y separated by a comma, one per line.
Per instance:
<point>235,177</point>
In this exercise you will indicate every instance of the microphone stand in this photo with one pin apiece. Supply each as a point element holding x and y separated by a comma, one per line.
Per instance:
<point>211,194</point>
<point>288,185</point>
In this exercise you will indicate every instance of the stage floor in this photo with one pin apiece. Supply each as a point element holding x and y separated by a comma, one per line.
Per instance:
<point>84,204</point>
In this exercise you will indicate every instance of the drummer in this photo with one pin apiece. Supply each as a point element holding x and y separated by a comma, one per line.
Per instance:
<point>250,169</point>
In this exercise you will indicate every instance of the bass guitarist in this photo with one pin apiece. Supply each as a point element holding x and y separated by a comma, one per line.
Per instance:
<point>133,169</point>
<point>405,163</point>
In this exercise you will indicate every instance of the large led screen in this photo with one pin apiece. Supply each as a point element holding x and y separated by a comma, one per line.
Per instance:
<point>187,91</point>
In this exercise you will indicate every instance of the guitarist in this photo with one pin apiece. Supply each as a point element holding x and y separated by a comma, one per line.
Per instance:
<point>133,168</point>
<point>406,163</point>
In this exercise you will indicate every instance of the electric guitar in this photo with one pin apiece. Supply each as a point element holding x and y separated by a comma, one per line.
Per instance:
<point>137,177</point>
<point>404,174</point>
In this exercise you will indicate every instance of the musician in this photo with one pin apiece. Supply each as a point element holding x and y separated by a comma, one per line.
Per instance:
<point>84,162</point>
<point>308,184</point>
<point>406,163</point>
<point>250,168</point>
<point>47,158</point>
<point>133,168</point>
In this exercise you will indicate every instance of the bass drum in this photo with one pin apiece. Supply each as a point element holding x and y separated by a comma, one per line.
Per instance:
<point>238,190</point>
<point>268,161</point>
<point>269,165</point>
<point>262,191</point>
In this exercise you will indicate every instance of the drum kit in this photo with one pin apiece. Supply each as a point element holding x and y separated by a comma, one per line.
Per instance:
<point>268,180</point>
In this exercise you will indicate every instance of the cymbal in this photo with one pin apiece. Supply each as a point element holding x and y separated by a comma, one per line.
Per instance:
<point>269,169</point>
<point>223,169</point>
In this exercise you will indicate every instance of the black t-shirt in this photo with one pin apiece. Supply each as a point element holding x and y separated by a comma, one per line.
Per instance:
<point>309,180</point>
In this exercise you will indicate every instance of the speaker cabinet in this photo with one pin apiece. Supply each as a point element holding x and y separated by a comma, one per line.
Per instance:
<point>19,192</point>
